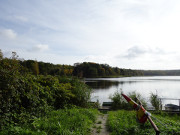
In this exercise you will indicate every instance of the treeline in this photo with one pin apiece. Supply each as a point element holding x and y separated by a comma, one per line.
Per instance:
<point>43,68</point>
<point>85,69</point>
<point>90,69</point>
<point>161,72</point>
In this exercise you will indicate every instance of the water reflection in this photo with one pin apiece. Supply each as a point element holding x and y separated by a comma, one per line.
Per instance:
<point>165,86</point>
<point>105,84</point>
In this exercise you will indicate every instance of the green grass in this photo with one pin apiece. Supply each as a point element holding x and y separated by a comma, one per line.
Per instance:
<point>124,123</point>
<point>62,122</point>
<point>98,129</point>
<point>168,124</point>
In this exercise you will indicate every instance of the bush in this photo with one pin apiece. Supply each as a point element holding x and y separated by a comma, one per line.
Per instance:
<point>82,93</point>
<point>156,103</point>
<point>118,101</point>
<point>25,96</point>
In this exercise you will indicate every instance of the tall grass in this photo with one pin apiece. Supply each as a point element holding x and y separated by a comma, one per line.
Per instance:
<point>124,123</point>
<point>62,122</point>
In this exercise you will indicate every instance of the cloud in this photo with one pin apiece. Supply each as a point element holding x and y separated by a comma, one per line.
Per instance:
<point>8,33</point>
<point>21,18</point>
<point>39,48</point>
<point>135,51</point>
<point>102,59</point>
<point>140,51</point>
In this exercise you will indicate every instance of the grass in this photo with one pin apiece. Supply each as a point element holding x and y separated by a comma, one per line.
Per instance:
<point>62,122</point>
<point>168,124</point>
<point>124,123</point>
<point>98,129</point>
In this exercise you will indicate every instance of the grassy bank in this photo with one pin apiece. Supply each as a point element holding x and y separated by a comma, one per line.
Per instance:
<point>124,123</point>
<point>61,122</point>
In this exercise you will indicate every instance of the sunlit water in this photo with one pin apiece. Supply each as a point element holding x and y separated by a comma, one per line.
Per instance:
<point>164,86</point>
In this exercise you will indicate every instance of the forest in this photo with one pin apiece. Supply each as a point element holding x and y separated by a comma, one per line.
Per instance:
<point>88,70</point>
<point>81,70</point>
<point>161,72</point>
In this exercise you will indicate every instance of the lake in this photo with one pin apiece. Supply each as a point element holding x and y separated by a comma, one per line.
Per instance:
<point>164,86</point>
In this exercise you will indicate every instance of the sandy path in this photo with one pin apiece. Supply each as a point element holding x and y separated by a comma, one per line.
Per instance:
<point>100,125</point>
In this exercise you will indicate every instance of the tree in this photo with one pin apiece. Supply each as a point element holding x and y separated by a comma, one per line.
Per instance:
<point>93,72</point>
<point>101,71</point>
<point>14,56</point>
<point>35,68</point>
<point>1,55</point>
<point>9,83</point>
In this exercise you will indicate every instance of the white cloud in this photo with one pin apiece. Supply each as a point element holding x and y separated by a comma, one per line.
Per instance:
<point>39,48</point>
<point>21,18</point>
<point>140,51</point>
<point>98,59</point>
<point>8,33</point>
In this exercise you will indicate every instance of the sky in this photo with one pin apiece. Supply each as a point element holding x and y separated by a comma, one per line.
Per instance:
<point>135,34</point>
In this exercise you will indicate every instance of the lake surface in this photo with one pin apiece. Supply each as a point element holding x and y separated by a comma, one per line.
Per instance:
<point>164,86</point>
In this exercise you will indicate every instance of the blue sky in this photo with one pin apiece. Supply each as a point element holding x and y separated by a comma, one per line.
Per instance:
<point>137,34</point>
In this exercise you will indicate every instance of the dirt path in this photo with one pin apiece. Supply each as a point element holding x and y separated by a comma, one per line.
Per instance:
<point>100,125</point>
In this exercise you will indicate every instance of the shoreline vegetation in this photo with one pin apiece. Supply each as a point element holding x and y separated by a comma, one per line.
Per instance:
<point>43,98</point>
<point>27,96</point>
<point>85,69</point>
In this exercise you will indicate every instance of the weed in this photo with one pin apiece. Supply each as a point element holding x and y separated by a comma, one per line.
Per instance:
<point>98,129</point>
<point>99,122</point>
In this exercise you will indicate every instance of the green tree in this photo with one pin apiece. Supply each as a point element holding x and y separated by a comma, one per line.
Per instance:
<point>93,72</point>
<point>101,71</point>
<point>1,55</point>
<point>35,68</point>
<point>9,83</point>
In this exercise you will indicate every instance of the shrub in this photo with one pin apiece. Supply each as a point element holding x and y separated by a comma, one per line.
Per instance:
<point>156,103</point>
<point>82,93</point>
<point>118,101</point>
<point>25,96</point>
